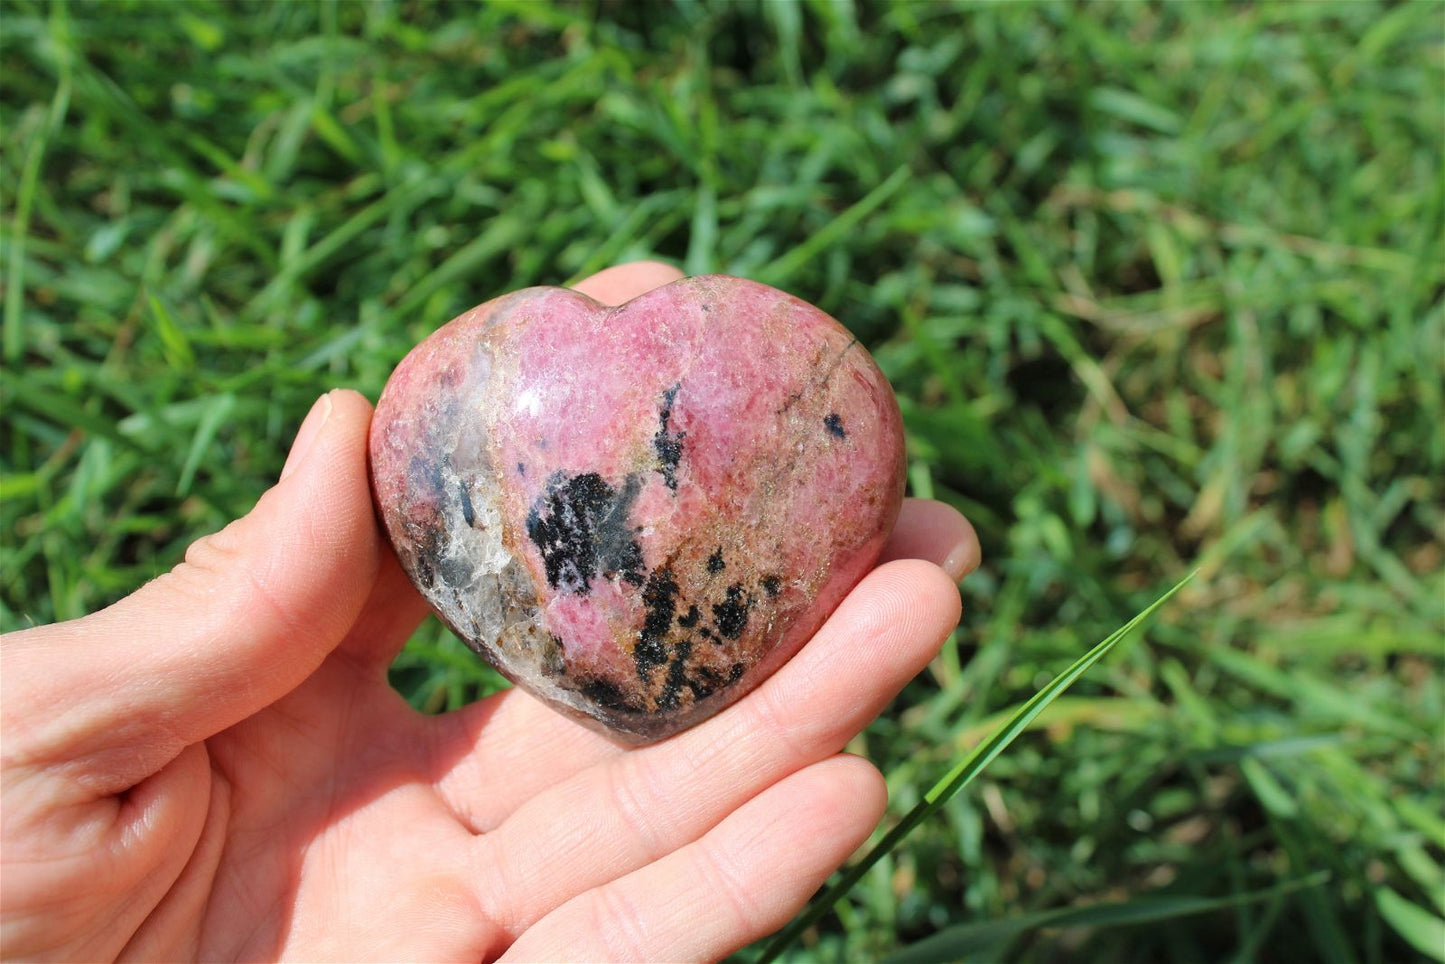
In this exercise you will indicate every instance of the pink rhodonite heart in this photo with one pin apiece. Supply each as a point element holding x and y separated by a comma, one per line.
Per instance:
<point>638,513</point>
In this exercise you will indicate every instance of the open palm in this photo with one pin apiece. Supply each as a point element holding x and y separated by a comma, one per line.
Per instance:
<point>216,767</point>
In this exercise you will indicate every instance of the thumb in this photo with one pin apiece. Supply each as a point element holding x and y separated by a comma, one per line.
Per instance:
<point>252,612</point>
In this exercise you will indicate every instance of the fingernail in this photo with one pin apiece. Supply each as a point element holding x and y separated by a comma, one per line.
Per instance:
<point>306,434</point>
<point>962,560</point>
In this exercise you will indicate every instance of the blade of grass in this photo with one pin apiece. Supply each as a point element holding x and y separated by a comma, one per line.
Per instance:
<point>961,776</point>
<point>1421,929</point>
<point>216,412</point>
<point>834,231</point>
<point>970,941</point>
<point>13,335</point>
<point>177,347</point>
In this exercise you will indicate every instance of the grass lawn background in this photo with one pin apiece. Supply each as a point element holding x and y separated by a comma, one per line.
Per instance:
<point>1158,285</point>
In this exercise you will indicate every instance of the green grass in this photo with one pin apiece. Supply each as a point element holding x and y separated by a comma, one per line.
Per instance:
<point>1158,285</point>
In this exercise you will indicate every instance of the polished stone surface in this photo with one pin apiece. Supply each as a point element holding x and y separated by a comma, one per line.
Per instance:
<point>638,513</point>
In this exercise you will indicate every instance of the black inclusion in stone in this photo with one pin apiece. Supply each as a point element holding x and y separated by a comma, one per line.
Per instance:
<point>705,683</point>
<point>690,618</point>
<point>715,562</point>
<point>772,585</point>
<point>580,525</point>
<point>731,615</point>
<point>436,566</point>
<point>659,602</point>
<point>676,677</point>
<point>427,548</point>
<point>667,443</point>
<point>834,425</point>
<point>607,695</point>
<point>468,515</point>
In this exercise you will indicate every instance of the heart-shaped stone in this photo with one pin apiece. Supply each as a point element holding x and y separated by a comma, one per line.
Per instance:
<point>638,513</point>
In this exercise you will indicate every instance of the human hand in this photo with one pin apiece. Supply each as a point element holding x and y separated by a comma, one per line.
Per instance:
<point>216,766</point>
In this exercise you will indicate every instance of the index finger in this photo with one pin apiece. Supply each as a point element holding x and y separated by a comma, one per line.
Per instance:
<point>622,283</point>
